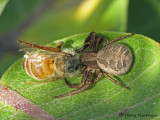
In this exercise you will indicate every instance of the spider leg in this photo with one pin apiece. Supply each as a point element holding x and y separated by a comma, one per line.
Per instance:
<point>92,41</point>
<point>104,41</point>
<point>97,43</point>
<point>87,42</point>
<point>99,76</point>
<point>83,81</point>
<point>83,69</point>
<point>83,88</point>
<point>113,80</point>
<point>82,48</point>
<point>89,37</point>
<point>44,47</point>
<point>120,38</point>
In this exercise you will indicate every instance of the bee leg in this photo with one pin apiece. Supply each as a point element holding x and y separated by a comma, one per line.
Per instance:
<point>120,38</point>
<point>43,47</point>
<point>83,81</point>
<point>60,45</point>
<point>113,80</point>
<point>83,88</point>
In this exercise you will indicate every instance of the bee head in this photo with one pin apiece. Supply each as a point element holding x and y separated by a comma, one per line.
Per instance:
<point>72,65</point>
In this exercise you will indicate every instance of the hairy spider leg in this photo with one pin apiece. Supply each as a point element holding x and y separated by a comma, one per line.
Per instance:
<point>120,38</point>
<point>83,81</point>
<point>83,69</point>
<point>87,42</point>
<point>93,38</point>
<point>82,48</point>
<point>98,41</point>
<point>81,89</point>
<point>104,41</point>
<point>99,75</point>
<point>113,80</point>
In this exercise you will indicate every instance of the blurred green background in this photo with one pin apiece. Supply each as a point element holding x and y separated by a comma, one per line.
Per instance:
<point>43,21</point>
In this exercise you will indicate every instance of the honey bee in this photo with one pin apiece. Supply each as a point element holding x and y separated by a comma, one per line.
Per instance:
<point>50,63</point>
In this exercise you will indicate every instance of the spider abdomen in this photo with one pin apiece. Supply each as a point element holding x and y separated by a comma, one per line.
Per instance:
<point>115,59</point>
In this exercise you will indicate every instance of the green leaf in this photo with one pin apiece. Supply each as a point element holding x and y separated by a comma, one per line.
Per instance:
<point>2,5</point>
<point>103,100</point>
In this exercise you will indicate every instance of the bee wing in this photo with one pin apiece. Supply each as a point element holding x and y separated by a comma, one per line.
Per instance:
<point>37,51</point>
<point>28,50</point>
<point>47,52</point>
<point>42,54</point>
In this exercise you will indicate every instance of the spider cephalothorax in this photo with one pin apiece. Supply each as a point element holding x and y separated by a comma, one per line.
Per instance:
<point>115,59</point>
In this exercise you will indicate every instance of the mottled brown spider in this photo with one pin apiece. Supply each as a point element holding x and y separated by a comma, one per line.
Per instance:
<point>114,59</point>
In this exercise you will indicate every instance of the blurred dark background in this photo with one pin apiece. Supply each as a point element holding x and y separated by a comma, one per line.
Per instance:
<point>43,21</point>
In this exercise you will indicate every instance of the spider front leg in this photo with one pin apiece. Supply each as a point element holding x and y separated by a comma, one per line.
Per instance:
<point>99,75</point>
<point>113,80</point>
<point>120,38</point>
<point>92,42</point>
<point>88,41</point>
<point>82,48</point>
<point>81,89</point>
<point>104,41</point>
<point>83,81</point>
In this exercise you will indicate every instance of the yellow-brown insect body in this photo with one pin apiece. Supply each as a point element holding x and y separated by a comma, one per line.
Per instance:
<point>42,66</point>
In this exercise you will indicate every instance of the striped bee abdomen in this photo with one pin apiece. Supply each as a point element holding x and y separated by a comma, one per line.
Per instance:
<point>38,66</point>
